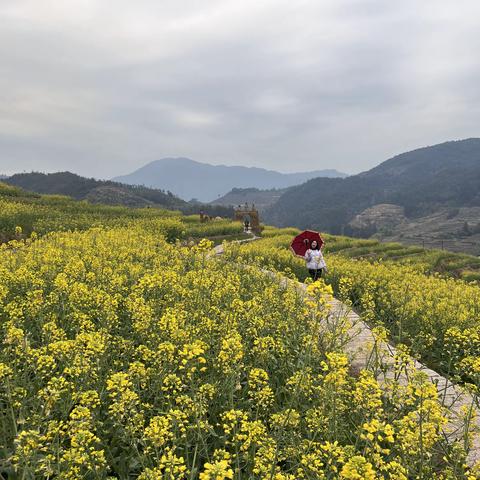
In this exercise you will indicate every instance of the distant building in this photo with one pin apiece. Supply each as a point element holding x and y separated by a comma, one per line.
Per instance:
<point>248,215</point>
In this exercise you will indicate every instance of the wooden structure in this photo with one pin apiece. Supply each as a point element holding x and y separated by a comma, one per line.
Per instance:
<point>248,215</point>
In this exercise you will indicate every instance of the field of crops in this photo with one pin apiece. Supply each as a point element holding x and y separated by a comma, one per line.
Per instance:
<point>437,317</point>
<point>23,213</point>
<point>129,353</point>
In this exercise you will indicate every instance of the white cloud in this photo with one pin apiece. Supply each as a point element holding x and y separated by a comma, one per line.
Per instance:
<point>101,86</point>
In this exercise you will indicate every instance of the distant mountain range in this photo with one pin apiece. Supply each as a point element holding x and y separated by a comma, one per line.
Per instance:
<point>190,179</point>
<point>432,192</point>
<point>421,182</point>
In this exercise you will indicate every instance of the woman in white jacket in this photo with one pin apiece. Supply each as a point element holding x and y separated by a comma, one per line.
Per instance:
<point>315,261</point>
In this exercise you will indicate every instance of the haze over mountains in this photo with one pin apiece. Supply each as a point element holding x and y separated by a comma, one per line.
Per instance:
<point>190,179</point>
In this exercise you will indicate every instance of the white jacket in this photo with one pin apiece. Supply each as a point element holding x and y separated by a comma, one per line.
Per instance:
<point>314,259</point>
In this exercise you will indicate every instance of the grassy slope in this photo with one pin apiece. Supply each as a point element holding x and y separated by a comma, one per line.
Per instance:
<point>22,213</point>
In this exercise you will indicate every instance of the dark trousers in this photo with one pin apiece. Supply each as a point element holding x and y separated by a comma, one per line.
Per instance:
<point>315,274</point>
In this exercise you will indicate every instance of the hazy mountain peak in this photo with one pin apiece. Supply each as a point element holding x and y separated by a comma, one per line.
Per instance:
<point>188,178</point>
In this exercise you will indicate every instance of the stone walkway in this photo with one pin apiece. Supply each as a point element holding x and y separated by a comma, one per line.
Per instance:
<point>361,346</point>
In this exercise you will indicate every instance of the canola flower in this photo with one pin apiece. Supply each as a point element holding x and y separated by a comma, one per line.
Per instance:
<point>217,471</point>
<point>436,317</point>
<point>125,356</point>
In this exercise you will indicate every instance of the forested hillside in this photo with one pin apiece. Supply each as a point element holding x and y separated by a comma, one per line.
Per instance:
<point>108,192</point>
<point>421,181</point>
<point>81,188</point>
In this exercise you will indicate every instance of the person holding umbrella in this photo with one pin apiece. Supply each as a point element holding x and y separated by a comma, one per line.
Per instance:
<point>315,261</point>
<point>308,245</point>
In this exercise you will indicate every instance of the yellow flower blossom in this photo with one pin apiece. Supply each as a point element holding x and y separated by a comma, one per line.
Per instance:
<point>216,471</point>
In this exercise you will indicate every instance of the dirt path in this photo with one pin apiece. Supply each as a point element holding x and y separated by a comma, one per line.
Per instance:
<point>361,347</point>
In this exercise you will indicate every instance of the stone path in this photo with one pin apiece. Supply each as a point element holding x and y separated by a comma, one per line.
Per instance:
<point>361,346</point>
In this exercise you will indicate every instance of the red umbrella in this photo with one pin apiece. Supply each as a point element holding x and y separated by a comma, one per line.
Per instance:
<point>301,243</point>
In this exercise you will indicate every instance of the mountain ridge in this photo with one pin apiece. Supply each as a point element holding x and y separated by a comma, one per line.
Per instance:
<point>188,178</point>
<point>106,192</point>
<point>421,181</point>
<point>80,188</point>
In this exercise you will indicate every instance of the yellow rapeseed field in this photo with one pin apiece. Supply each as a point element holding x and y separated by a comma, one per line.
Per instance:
<point>438,318</point>
<point>127,356</point>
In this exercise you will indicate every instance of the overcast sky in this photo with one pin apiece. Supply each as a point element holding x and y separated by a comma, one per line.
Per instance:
<point>101,87</point>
